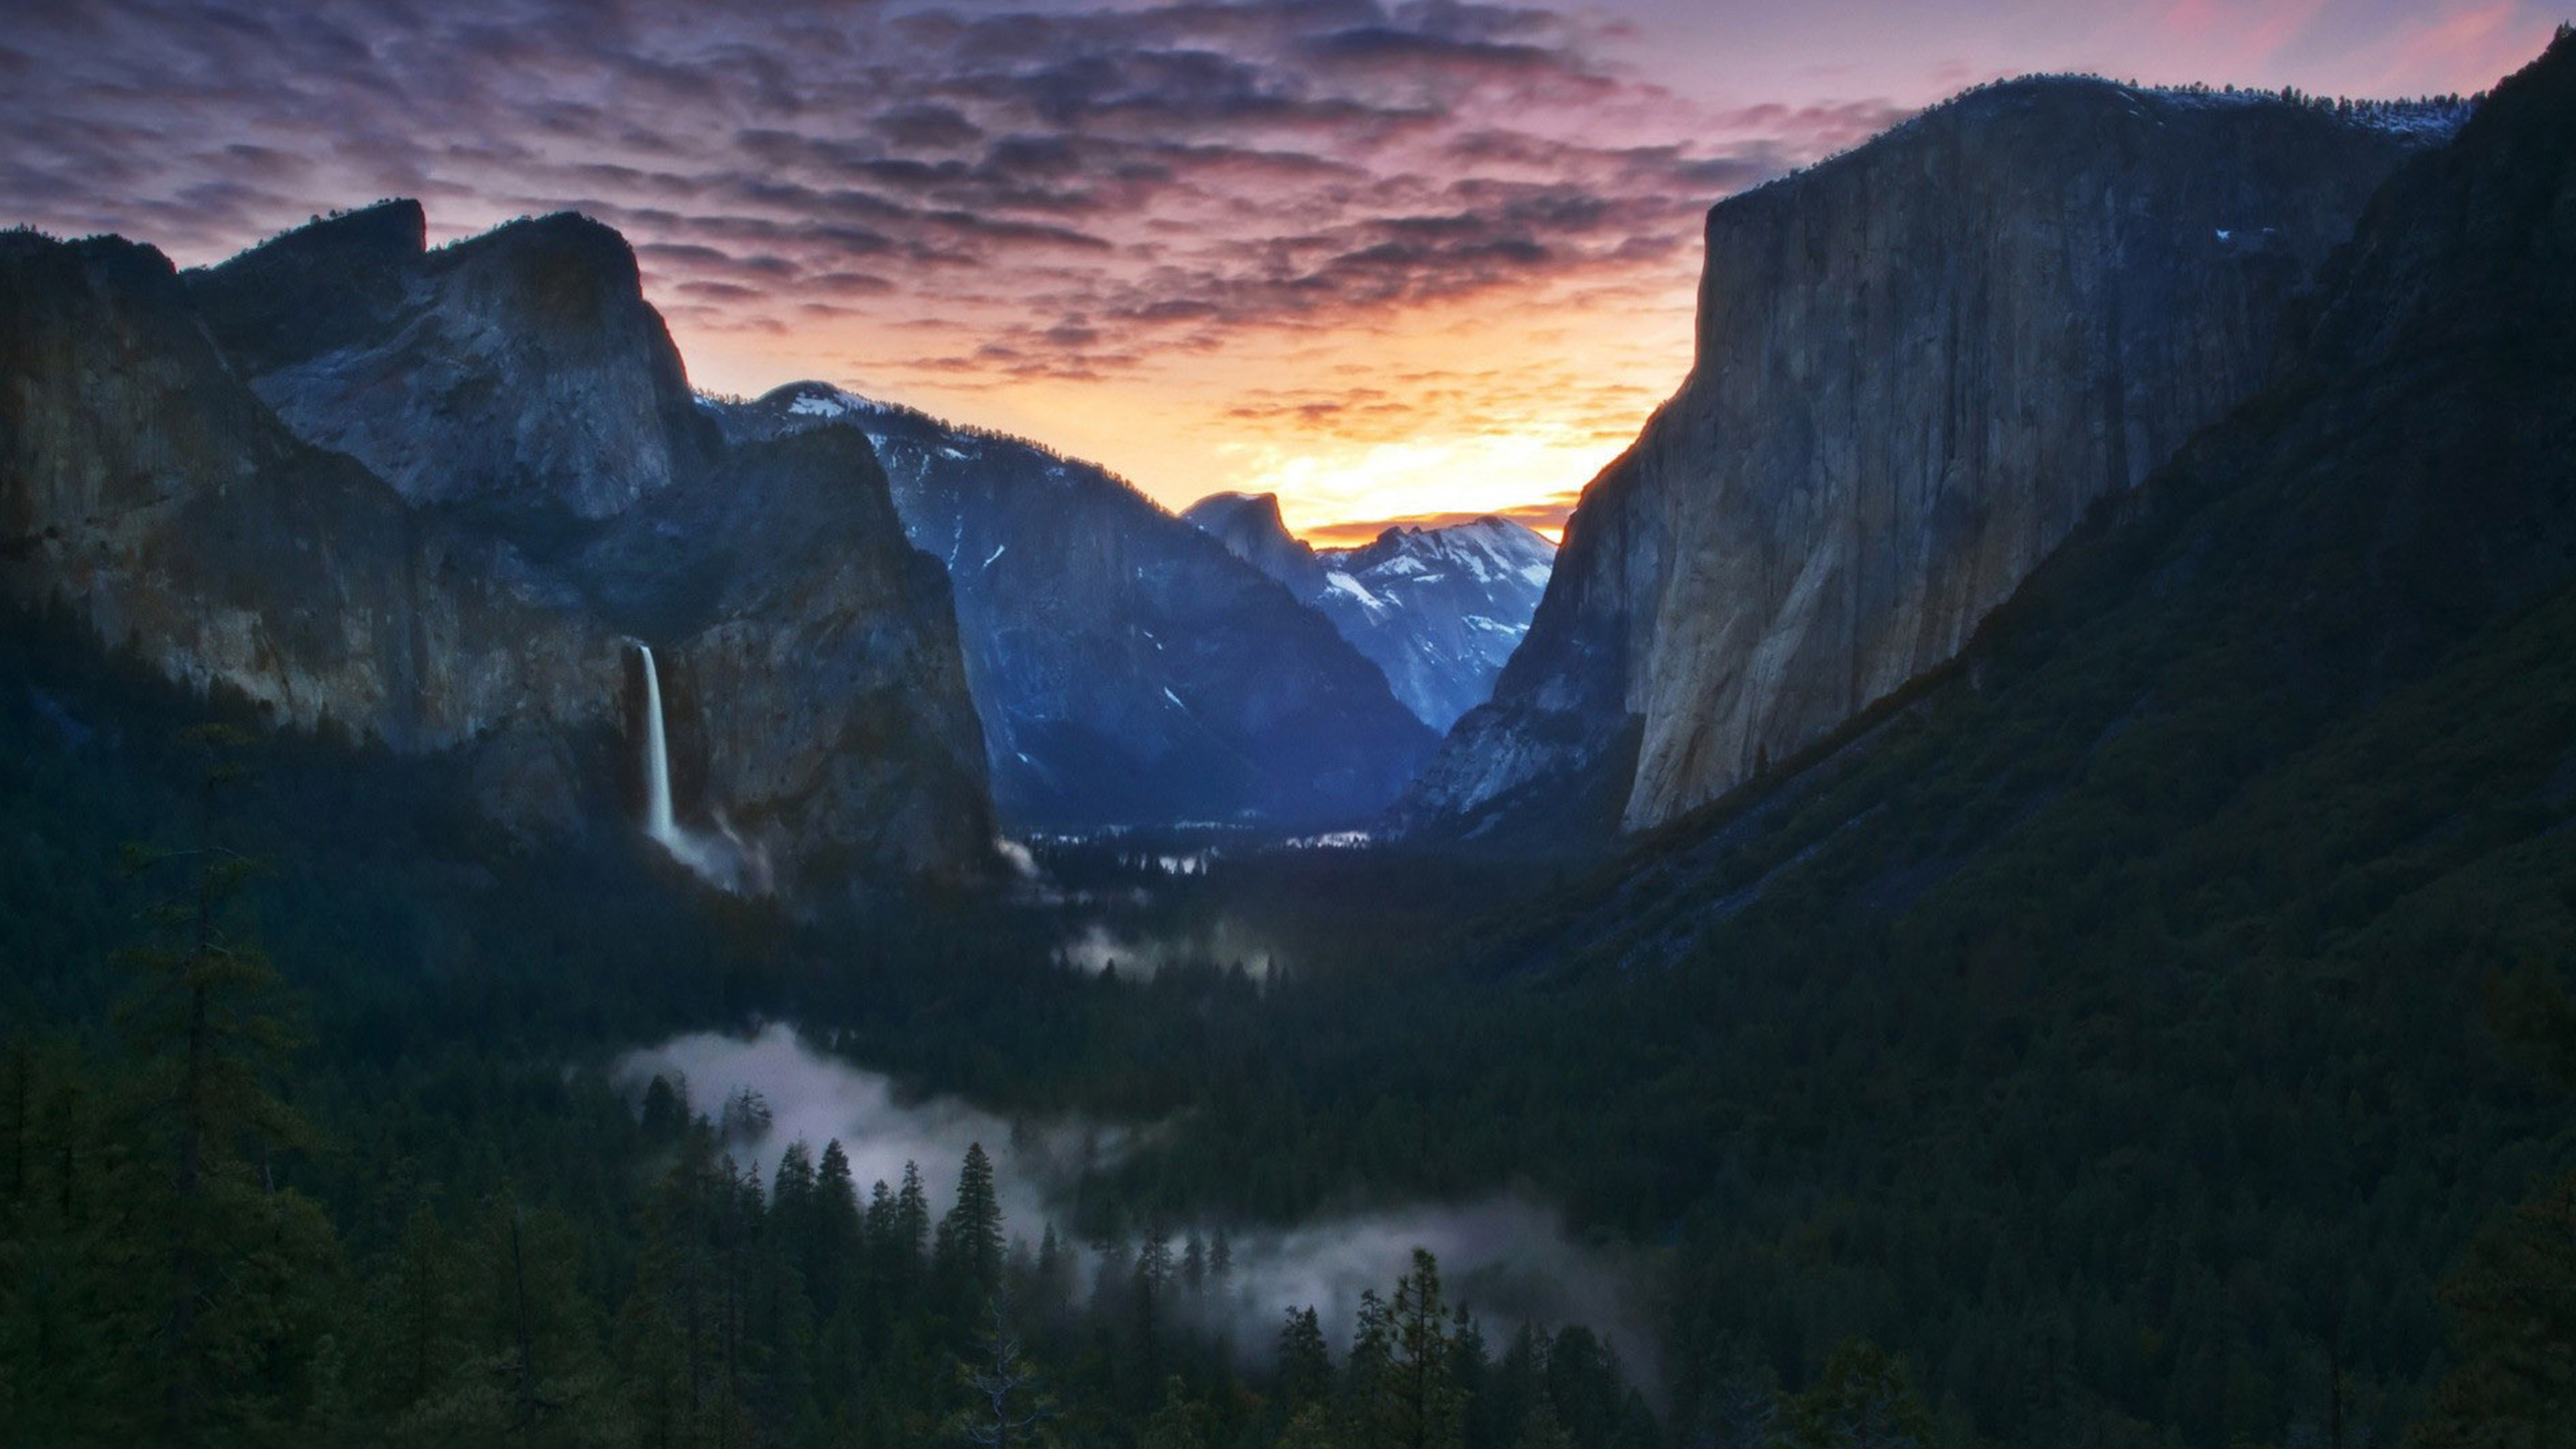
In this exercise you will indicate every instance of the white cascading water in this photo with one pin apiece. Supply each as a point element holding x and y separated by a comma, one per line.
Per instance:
<point>725,861</point>
<point>658,820</point>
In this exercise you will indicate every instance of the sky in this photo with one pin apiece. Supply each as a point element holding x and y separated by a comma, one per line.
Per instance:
<point>1390,259</point>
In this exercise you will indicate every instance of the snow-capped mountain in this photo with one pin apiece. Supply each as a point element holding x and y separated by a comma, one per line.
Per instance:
<point>1437,609</point>
<point>1128,669</point>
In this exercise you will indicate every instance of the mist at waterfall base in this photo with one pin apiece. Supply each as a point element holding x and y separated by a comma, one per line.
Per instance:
<point>724,860</point>
<point>1510,1260</point>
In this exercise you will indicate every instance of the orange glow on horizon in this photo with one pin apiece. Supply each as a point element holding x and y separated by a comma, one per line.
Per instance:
<point>1437,412</point>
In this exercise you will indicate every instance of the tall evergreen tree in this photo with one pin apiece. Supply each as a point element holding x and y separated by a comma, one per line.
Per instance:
<point>912,1219</point>
<point>1305,1361</point>
<point>1007,1406</point>
<point>1417,1403</point>
<point>970,1244</point>
<point>832,1252</point>
<point>204,1025</point>
<point>1151,1304</point>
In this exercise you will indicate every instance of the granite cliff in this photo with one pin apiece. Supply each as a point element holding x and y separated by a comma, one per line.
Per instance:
<point>1437,610</point>
<point>241,475</point>
<point>1917,366</point>
<point>1128,668</point>
<point>521,368</point>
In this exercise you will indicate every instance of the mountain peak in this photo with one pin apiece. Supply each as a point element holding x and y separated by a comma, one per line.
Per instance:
<point>1251,528</point>
<point>812,399</point>
<point>397,227</point>
<point>1255,509</point>
<point>522,364</point>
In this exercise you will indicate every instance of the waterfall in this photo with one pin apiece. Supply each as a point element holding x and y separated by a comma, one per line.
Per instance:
<point>726,860</point>
<point>658,820</point>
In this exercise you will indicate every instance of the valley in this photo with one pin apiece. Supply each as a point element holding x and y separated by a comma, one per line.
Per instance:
<point>2008,884</point>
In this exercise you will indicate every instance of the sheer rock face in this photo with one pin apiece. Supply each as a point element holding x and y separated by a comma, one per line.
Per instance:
<point>522,367</point>
<point>1437,610</point>
<point>819,689</point>
<point>1917,366</point>
<point>1129,670</point>
<point>1249,526</point>
<point>146,487</point>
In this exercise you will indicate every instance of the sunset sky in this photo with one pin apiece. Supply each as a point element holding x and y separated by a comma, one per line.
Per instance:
<point>1387,260</point>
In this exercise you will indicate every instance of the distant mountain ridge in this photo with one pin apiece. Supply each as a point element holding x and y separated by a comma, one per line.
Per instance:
<point>1917,366</point>
<point>1438,610</point>
<point>1130,670</point>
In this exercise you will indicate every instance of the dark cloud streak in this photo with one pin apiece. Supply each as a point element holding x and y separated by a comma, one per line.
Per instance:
<point>1034,193</point>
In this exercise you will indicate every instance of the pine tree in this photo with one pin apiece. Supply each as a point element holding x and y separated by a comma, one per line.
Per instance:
<point>911,1220</point>
<point>879,1224</point>
<point>1007,1405</point>
<point>1152,1300</point>
<point>202,1022</point>
<point>1305,1361</point>
<point>834,1245</point>
<point>1368,1373</point>
<point>970,1237</point>
<point>412,1342</point>
<point>1418,1405</point>
<point>1054,1277</point>
<point>1864,1399</point>
<point>1180,1422</point>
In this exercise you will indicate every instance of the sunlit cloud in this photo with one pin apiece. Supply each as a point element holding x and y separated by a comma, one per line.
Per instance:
<point>1386,257</point>
<point>1329,482</point>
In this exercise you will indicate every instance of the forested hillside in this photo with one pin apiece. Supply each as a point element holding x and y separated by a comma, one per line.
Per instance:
<point>2151,1029</point>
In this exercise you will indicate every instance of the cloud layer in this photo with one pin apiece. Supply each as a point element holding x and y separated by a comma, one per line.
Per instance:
<point>1387,257</point>
<point>990,209</point>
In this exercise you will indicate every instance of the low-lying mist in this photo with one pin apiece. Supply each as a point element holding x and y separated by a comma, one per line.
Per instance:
<point>1225,944</point>
<point>1510,1260</point>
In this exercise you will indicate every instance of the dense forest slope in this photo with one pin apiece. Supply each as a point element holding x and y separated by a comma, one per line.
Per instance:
<point>1917,364</point>
<point>2111,1039</point>
<point>2105,1020</point>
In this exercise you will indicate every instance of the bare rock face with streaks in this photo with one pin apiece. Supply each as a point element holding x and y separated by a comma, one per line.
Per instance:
<point>1437,609</point>
<point>437,499</point>
<point>1130,670</point>
<point>521,368</point>
<point>1917,366</point>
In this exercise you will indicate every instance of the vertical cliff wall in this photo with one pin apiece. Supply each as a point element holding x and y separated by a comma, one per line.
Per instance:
<point>518,369</point>
<point>1917,366</point>
<point>148,488</point>
<point>1128,669</point>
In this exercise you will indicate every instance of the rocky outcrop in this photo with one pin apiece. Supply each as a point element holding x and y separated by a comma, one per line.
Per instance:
<point>1128,669</point>
<point>1249,526</point>
<point>1917,366</point>
<point>2325,641</point>
<point>813,670</point>
<point>521,368</point>
<point>147,488</point>
<point>1437,610</point>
